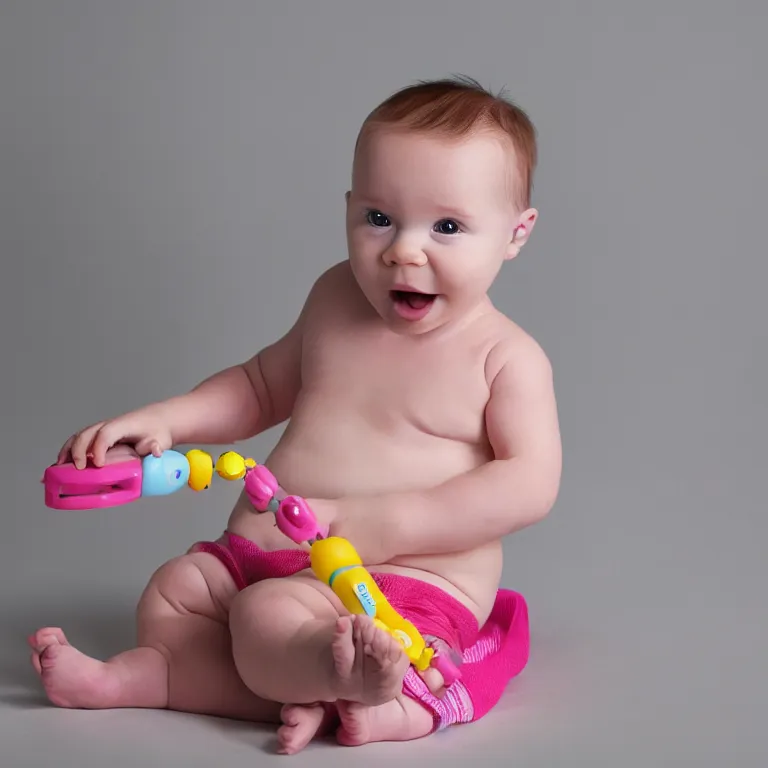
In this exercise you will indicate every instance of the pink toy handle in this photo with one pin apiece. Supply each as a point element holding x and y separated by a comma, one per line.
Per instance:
<point>67,487</point>
<point>297,521</point>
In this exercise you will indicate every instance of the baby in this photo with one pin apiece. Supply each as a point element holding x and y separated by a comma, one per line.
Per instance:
<point>422,426</point>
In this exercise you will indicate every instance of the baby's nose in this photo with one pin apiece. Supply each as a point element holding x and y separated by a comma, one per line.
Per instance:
<point>403,253</point>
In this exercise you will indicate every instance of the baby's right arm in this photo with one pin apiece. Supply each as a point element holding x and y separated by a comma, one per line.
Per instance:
<point>234,404</point>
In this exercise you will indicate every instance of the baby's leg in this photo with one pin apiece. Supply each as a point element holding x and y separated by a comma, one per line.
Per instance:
<point>183,660</point>
<point>308,651</point>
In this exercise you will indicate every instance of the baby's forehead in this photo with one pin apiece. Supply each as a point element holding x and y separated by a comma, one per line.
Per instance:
<point>483,160</point>
<point>397,140</point>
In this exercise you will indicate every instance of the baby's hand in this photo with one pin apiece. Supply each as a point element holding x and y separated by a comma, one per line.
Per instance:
<point>357,519</point>
<point>143,429</point>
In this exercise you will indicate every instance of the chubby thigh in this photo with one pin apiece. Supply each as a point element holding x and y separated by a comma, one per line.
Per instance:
<point>183,613</point>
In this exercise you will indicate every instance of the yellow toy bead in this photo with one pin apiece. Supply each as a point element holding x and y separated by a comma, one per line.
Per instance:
<point>231,466</point>
<point>200,469</point>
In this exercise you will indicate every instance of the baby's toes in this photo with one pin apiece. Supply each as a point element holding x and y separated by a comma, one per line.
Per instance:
<point>383,645</point>
<point>370,636</point>
<point>343,648</point>
<point>395,651</point>
<point>41,639</point>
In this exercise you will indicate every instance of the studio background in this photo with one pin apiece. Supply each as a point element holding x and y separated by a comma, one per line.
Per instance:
<point>171,183</point>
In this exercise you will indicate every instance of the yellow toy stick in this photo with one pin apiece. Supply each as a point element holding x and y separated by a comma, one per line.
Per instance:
<point>336,562</point>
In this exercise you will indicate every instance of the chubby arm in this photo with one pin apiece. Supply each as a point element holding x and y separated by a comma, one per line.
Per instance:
<point>246,399</point>
<point>243,400</point>
<point>234,404</point>
<point>517,488</point>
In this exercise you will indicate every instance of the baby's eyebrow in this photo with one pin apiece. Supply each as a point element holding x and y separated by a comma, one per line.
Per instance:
<point>372,203</point>
<point>449,212</point>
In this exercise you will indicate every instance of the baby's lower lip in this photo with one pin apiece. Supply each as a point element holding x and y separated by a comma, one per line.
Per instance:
<point>412,313</point>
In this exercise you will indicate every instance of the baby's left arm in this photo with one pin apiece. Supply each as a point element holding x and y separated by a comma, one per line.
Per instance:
<point>514,490</point>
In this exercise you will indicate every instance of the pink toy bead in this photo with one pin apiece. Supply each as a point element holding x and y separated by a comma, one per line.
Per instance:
<point>297,521</point>
<point>260,487</point>
<point>450,672</point>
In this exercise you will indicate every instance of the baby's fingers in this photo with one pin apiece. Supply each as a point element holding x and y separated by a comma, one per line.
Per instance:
<point>80,445</point>
<point>107,436</point>
<point>65,452</point>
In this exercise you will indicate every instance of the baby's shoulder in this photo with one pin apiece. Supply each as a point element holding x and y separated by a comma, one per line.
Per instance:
<point>511,345</point>
<point>335,279</point>
<point>330,288</point>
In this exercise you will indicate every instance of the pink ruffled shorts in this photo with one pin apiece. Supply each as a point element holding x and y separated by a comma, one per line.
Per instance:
<point>491,655</point>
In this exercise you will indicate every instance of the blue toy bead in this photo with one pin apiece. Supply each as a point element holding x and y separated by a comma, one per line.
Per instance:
<point>164,475</point>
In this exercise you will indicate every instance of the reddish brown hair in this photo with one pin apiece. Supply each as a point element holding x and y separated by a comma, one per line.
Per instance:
<point>454,108</point>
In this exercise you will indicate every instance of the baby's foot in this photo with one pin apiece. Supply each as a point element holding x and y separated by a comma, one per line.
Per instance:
<point>70,678</point>
<point>369,663</point>
<point>301,724</point>
<point>400,719</point>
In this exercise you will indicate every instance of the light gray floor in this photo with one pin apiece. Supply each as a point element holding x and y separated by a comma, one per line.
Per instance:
<point>172,179</point>
<point>643,655</point>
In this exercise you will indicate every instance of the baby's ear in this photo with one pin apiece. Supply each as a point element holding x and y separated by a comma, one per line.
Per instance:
<point>522,231</point>
<point>346,196</point>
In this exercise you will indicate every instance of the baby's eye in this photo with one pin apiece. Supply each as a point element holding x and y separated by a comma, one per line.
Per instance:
<point>447,227</point>
<point>378,219</point>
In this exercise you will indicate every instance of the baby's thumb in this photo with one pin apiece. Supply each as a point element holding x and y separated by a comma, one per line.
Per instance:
<point>149,445</point>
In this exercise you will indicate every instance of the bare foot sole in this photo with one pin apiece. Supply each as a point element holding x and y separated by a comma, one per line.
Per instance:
<point>370,663</point>
<point>70,678</point>
<point>401,719</point>
<point>301,724</point>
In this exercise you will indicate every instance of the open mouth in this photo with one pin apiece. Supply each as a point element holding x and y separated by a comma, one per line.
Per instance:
<point>412,305</point>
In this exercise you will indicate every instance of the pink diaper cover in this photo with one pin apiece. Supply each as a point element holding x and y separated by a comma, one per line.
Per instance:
<point>491,655</point>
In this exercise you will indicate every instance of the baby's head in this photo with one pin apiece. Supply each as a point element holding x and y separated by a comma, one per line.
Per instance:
<point>440,198</point>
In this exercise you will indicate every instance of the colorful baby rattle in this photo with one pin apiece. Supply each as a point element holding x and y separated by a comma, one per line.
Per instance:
<point>333,560</point>
<point>67,487</point>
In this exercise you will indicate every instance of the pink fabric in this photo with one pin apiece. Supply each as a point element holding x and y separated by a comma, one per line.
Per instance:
<point>249,563</point>
<point>492,655</point>
<point>497,653</point>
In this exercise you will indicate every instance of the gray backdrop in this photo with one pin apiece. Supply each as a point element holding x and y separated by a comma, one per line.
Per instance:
<point>171,182</point>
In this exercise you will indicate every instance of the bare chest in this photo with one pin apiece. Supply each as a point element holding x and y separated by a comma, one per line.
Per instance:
<point>399,384</point>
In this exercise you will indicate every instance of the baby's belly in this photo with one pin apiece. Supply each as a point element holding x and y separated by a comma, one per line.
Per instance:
<point>470,577</point>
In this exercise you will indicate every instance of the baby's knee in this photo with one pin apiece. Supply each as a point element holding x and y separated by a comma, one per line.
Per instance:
<point>265,621</point>
<point>187,585</point>
<point>258,608</point>
<point>269,611</point>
